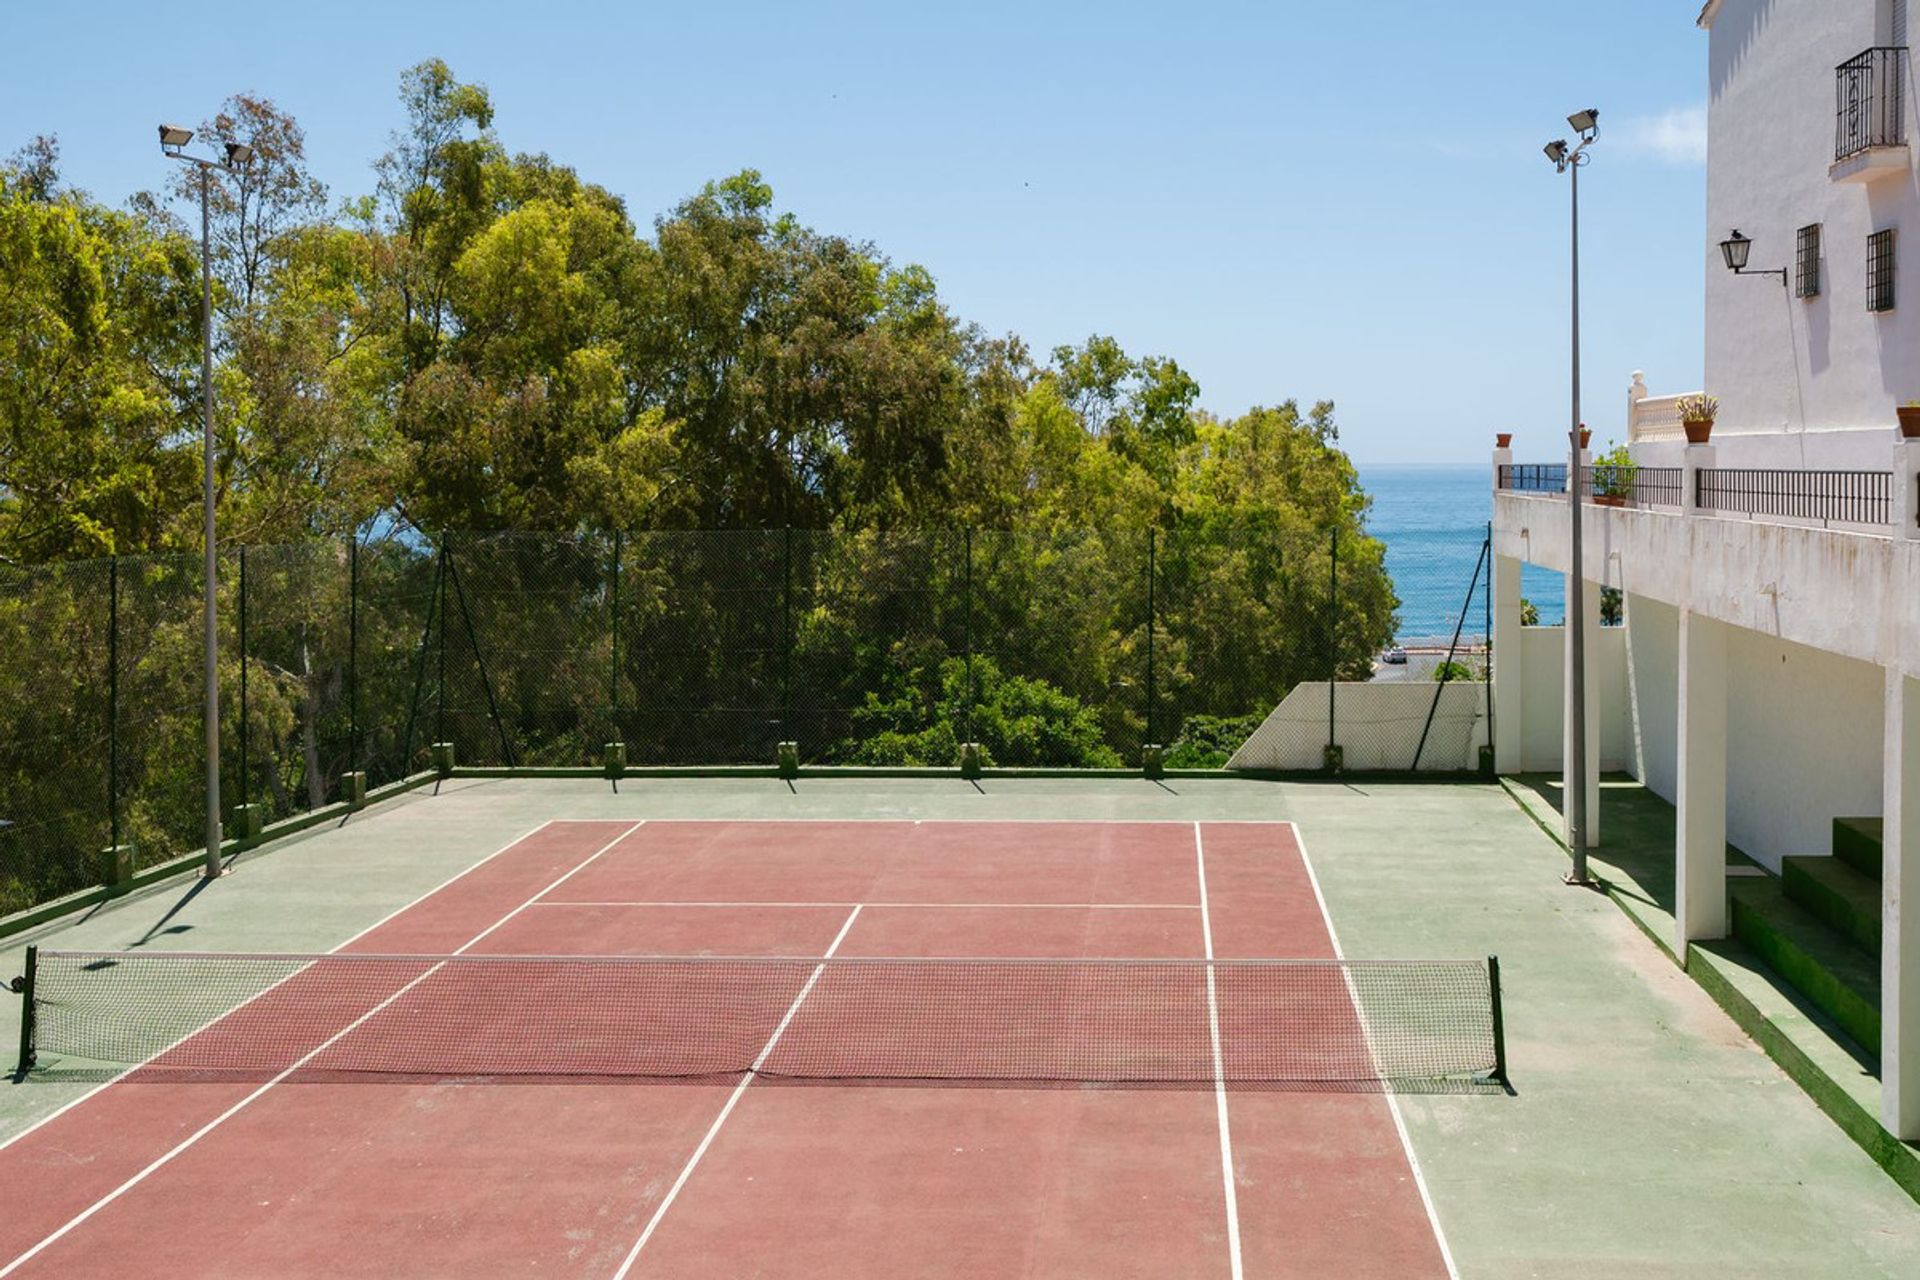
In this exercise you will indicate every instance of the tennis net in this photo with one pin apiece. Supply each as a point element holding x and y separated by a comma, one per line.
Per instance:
<point>1123,1022</point>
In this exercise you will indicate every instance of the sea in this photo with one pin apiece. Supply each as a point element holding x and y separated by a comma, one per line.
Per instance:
<point>1434,522</point>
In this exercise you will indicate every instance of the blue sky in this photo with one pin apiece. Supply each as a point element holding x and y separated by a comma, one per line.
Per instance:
<point>1292,198</point>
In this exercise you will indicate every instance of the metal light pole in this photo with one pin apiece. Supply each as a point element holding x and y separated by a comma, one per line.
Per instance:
<point>173,139</point>
<point>1574,778</point>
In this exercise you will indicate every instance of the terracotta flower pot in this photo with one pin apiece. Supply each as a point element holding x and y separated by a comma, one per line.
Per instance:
<point>1586,437</point>
<point>1502,439</point>
<point>1698,429</point>
<point>1608,500</point>
<point>1909,421</point>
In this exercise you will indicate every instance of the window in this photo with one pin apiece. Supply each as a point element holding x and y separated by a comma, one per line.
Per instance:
<point>1806,262</point>
<point>1880,271</point>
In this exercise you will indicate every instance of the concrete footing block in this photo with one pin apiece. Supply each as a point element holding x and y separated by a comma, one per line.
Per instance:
<point>972,760</point>
<point>443,759</point>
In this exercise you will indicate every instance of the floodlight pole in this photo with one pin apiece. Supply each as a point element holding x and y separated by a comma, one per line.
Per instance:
<point>172,143</point>
<point>1574,775</point>
<point>211,647</point>
<point>1575,782</point>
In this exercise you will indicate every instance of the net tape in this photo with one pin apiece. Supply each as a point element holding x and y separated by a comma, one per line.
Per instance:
<point>348,1016</point>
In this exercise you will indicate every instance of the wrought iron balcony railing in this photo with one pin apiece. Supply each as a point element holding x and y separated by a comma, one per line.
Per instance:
<point>1870,101</point>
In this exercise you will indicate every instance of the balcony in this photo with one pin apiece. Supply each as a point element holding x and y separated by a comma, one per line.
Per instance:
<point>1870,116</point>
<point>1855,501</point>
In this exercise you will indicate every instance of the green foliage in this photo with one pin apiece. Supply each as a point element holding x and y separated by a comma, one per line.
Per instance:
<point>1529,613</point>
<point>1697,408</point>
<point>1448,671</point>
<point>927,713</point>
<point>1613,611</point>
<point>1614,472</point>
<point>1208,742</point>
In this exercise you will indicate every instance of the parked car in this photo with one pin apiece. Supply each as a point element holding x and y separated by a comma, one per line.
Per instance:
<point>1395,656</point>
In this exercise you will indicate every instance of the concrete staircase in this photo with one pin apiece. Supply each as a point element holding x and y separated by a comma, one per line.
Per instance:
<point>1818,926</point>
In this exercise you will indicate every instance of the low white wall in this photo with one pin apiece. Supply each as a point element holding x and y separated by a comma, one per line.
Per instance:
<point>1542,667</point>
<point>1653,678</point>
<point>1378,727</point>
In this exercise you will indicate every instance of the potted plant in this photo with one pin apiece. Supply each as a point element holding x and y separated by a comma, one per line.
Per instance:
<point>1909,420</point>
<point>1503,439</point>
<point>1697,413</point>
<point>1586,435</point>
<point>1613,473</point>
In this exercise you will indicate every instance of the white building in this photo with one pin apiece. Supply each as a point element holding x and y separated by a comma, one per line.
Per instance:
<point>1768,679</point>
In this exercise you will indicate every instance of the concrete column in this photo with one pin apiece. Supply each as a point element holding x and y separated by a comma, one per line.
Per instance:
<point>1590,608</point>
<point>1508,709</point>
<point>1693,459</point>
<point>1900,912</point>
<point>1501,458</point>
<point>1700,832</point>
<point>1906,490</point>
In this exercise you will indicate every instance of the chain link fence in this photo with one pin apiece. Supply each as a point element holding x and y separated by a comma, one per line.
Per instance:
<point>1069,649</point>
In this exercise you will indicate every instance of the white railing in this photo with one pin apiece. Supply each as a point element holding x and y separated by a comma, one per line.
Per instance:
<point>1652,419</point>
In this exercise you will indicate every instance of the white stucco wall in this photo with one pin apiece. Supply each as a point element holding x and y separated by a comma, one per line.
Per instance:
<point>1803,744</point>
<point>1800,370</point>
<point>1653,675</point>
<point>1543,703</point>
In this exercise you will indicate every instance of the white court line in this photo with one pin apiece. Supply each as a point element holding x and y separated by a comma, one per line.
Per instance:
<point>305,1058</point>
<point>405,906</point>
<point>713,1130</point>
<point>1219,1067</point>
<point>1393,1103</point>
<point>660,819</point>
<point>930,906</point>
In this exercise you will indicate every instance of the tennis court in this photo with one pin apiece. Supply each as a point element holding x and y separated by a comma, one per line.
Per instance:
<point>838,1068</point>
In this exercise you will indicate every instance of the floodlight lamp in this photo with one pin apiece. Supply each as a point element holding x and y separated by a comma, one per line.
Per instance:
<point>173,137</point>
<point>1736,248</point>
<point>238,153</point>
<point>1585,121</point>
<point>1557,152</point>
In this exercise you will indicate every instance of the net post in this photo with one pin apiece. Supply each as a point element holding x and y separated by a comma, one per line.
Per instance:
<point>1499,1073</point>
<point>24,985</point>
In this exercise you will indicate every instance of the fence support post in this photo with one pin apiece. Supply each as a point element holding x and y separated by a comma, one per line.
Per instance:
<point>353,783</point>
<point>480,660</point>
<point>119,856</point>
<point>244,661</point>
<point>1150,742</point>
<point>440,587</point>
<point>1333,757</point>
<point>786,634</point>
<point>618,737</point>
<point>966,636</point>
<point>420,669</point>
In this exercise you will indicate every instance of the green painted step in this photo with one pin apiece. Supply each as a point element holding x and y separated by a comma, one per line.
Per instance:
<point>1821,963</point>
<point>1839,895</point>
<point>1856,842</point>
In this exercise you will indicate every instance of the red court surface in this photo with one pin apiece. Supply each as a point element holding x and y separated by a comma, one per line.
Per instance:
<point>749,1176</point>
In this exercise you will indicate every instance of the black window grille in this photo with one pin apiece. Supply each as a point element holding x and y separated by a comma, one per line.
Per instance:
<point>1806,262</point>
<point>1880,271</point>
